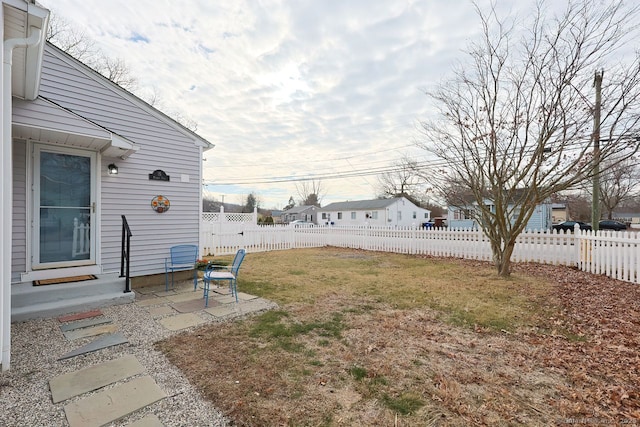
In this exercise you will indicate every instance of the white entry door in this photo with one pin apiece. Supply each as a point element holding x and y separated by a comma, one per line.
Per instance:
<point>64,207</point>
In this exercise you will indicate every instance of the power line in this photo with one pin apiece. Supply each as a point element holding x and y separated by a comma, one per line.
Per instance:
<point>366,154</point>
<point>424,165</point>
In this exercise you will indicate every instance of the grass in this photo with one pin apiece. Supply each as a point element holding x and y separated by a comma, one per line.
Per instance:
<point>462,293</point>
<point>365,338</point>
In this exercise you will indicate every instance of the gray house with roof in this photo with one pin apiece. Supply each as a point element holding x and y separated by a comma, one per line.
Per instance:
<point>396,212</point>
<point>303,213</point>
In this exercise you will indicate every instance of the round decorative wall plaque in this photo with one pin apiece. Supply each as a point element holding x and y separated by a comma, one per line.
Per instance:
<point>160,204</point>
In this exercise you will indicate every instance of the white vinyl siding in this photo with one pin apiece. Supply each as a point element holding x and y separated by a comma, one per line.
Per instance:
<point>34,116</point>
<point>379,212</point>
<point>19,225</point>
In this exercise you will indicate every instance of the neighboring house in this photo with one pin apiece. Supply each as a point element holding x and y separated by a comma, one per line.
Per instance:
<point>302,213</point>
<point>559,212</point>
<point>629,217</point>
<point>66,129</point>
<point>396,212</point>
<point>461,217</point>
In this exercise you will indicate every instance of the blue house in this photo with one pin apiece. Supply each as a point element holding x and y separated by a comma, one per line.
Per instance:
<point>462,216</point>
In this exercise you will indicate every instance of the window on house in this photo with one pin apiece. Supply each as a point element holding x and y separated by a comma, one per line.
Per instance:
<point>374,215</point>
<point>426,215</point>
<point>415,215</point>
<point>461,214</point>
<point>353,215</point>
<point>399,215</point>
<point>324,215</point>
<point>339,215</point>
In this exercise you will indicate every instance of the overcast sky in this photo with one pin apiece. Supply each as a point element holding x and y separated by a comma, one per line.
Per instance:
<point>289,89</point>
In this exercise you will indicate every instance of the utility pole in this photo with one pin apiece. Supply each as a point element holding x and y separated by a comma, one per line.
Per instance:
<point>595,196</point>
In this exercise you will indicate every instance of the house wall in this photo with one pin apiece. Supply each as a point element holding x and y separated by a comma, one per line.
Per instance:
<point>19,211</point>
<point>397,214</point>
<point>559,215</point>
<point>540,219</point>
<point>130,192</point>
<point>332,217</point>
<point>310,215</point>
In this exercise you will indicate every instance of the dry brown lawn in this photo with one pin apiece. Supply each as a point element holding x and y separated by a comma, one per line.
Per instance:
<point>365,338</point>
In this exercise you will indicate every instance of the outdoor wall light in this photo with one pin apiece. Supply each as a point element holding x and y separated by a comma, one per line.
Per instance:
<point>113,169</point>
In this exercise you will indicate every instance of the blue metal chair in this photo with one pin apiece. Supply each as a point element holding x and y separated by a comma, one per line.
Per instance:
<point>182,257</point>
<point>214,273</point>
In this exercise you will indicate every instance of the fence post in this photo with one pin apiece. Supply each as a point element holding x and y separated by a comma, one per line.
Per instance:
<point>577,244</point>
<point>255,215</point>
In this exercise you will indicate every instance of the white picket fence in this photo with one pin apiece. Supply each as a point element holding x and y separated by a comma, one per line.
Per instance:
<point>81,244</point>
<point>615,254</point>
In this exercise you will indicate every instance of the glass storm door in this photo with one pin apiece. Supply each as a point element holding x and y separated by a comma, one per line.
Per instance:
<point>63,207</point>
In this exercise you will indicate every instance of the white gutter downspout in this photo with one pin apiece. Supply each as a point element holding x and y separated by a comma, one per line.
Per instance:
<point>6,190</point>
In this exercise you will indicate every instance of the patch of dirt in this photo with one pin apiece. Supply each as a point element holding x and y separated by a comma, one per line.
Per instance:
<point>406,367</point>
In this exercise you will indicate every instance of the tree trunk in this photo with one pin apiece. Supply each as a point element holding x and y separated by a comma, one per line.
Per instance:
<point>502,258</point>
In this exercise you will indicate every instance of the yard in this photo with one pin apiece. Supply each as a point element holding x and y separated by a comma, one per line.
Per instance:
<point>367,338</point>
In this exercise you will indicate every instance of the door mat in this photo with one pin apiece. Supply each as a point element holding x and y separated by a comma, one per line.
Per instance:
<point>64,280</point>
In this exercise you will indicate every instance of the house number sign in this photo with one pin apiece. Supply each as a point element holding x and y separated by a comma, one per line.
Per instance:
<point>160,204</point>
<point>159,175</point>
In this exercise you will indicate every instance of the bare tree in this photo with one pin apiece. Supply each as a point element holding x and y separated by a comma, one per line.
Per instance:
<point>310,192</point>
<point>515,124</point>
<point>403,180</point>
<point>619,184</point>
<point>115,69</point>
<point>70,39</point>
<point>77,43</point>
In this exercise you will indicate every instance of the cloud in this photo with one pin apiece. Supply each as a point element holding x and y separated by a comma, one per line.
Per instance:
<point>288,88</point>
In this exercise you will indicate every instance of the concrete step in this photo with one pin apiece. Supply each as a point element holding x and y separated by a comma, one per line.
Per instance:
<point>69,305</point>
<point>31,302</point>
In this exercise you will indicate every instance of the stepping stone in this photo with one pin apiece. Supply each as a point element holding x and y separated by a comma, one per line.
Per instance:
<point>84,323</point>
<point>253,305</point>
<point>100,343</point>
<point>164,293</point>
<point>222,290</point>
<point>245,297</point>
<point>94,377</point>
<point>112,404</point>
<point>90,332</point>
<point>78,316</point>
<point>191,306</point>
<point>181,321</point>
<point>222,310</point>
<point>151,420</point>
<point>186,296</point>
<point>224,299</point>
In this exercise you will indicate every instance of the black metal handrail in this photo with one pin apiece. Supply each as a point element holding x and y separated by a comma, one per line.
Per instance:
<point>124,254</point>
